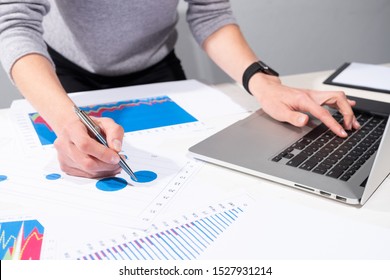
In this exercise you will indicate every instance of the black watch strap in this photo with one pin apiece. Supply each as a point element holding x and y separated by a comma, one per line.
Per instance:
<point>254,68</point>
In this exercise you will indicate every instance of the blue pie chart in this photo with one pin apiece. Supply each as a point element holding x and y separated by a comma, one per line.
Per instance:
<point>53,176</point>
<point>111,184</point>
<point>145,176</point>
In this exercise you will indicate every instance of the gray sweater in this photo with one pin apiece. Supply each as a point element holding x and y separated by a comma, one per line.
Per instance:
<point>107,37</point>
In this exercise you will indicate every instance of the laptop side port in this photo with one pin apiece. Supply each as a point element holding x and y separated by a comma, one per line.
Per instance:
<point>341,198</point>
<point>303,187</point>
<point>324,193</point>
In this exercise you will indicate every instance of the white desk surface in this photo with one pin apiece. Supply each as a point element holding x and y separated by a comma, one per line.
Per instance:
<point>283,223</point>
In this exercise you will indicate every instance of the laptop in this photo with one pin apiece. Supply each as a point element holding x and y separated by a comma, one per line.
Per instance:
<point>311,158</point>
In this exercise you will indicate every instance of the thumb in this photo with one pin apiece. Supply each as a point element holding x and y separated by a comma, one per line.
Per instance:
<point>114,133</point>
<point>296,118</point>
<point>284,113</point>
<point>115,144</point>
<point>115,138</point>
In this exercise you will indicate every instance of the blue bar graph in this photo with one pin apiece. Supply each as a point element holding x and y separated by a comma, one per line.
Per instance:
<point>145,113</point>
<point>185,241</point>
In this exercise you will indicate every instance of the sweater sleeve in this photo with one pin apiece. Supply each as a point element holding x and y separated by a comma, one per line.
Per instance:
<point>207,16</point>
<point>21,30</point>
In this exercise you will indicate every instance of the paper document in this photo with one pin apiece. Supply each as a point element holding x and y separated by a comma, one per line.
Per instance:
<point>113,200</point>
<point>171,107</point>
<point>362,76</point>
<point>153,116</point>
<point>186,237</point>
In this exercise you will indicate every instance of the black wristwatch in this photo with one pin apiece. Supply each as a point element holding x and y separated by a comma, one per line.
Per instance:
<point>254,68</point>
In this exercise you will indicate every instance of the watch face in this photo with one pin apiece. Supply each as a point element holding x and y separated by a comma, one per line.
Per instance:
<point>254,68</point>
<point>267,70</point>
<point>263,65</point>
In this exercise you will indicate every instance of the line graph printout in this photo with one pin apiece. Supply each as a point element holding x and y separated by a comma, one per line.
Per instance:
<point>21,240</point>
<point>173,107</point>
<point>132,115</point>
<point>186,237</point>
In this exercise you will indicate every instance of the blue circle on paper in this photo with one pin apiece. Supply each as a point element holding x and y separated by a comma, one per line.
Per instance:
<point>145,176</point>
<point>111,184</point>
<point>53,176</point>
<point>3,178</point>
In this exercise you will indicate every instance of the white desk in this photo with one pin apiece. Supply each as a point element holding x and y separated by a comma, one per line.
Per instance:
<point>283,223</point>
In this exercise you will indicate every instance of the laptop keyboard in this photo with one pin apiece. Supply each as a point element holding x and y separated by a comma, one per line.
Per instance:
<point>322,152</point>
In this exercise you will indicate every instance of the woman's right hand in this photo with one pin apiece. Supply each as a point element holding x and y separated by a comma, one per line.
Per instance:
<point>80,154</point>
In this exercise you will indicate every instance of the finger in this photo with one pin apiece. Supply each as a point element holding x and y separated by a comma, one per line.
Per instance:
<point>83,168</point>
<point>323,115</point>
<point>355,122</point>
<point>76,150</point>
<point>73,158</point>
<point>81,173</point>
<point>282,112</point>
<point>338,100</point>
<point>303,102</point>
<point>345,109</point>
<point>114,133</point>
<point>351,102</point>
<point>91,147</point>
<point>91,164</point>
<point>293,117</point>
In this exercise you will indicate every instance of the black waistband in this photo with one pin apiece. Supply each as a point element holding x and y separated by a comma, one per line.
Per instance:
<point>75,78</point>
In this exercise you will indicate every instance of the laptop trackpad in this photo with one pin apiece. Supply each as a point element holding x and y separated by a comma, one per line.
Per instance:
<point>250,142</point>
<point>262,130</point>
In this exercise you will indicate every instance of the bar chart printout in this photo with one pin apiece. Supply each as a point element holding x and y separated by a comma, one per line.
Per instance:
<point>185,238</point>
<point>21,240</point>
<point>145,113</point>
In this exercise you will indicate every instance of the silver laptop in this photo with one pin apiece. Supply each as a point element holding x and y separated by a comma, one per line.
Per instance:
<point>311,158</point>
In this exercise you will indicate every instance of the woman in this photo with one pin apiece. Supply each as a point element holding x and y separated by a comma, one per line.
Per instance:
<point>50,48</point>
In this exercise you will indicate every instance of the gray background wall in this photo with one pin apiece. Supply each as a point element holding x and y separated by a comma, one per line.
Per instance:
<point>293,36</point>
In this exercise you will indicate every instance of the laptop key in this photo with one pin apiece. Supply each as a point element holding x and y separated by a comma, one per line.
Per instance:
<point>342,166</point>
<point>330,161</point>
<point>324,165</point>
<point>316,158</point>
<point>320,170</point>
<point>307,152</point>
<point>277,158</point>
<point>316,132</point>
<point>297,160</point>
<point>323,140</point>
<point>335,172</point>
<point>308,165</point>
<point>311,148</point>
<point>350,171</point>
<point>335,156</point>
<point>345,177</point>
<point>288,155</point>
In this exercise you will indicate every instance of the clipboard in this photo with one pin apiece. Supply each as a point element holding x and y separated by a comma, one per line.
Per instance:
<point>362,76</point>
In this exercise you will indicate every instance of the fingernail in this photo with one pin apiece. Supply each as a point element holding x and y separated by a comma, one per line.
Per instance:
<point>342,131</point>
<point>117,145</point>
<point>356,124</point>
<point>301,119</point>
<point>115,159</point>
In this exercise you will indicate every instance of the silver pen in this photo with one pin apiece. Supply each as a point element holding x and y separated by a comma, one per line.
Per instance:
<point>95,129</point>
